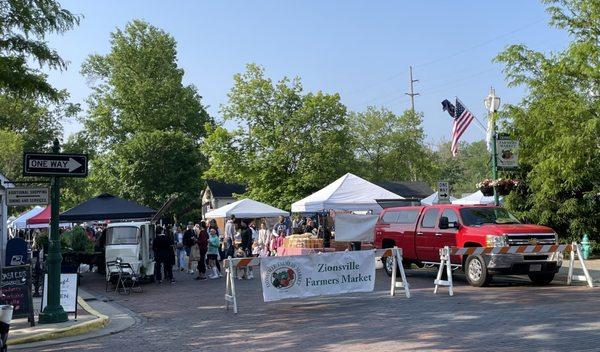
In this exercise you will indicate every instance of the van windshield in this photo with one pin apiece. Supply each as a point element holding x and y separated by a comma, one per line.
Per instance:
<point>488,215</point>
<point>122,235</point>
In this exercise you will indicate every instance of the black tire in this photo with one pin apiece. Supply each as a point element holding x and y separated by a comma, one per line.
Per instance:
<point>387,266</point>
<point>541,278</point>
<point>476,271</point>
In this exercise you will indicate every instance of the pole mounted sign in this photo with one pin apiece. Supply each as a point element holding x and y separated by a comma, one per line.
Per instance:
<point>443,192</point>
<point>27,196</point>
<point>63,165</point>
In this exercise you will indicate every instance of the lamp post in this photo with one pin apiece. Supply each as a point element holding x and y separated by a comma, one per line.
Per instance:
<point>492,103</point>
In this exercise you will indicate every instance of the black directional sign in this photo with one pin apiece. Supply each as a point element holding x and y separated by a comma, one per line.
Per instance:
<point>64,165</point>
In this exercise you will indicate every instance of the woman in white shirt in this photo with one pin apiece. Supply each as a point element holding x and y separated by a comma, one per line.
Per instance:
<point>263,238</point>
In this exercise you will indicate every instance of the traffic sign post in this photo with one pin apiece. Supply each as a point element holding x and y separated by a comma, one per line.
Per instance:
<point>54,165</point>
<point>443,192</point>
<point>63,165</point>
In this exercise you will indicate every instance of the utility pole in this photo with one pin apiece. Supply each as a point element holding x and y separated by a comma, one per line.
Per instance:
<point>412,92</point>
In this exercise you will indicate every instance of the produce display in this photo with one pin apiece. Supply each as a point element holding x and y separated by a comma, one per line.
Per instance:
<point>307,240</point>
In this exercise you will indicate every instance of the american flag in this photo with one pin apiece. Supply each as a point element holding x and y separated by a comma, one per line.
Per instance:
<point>462,119</point>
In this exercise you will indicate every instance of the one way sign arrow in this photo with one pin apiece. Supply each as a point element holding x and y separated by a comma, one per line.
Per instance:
<point>69,165</point>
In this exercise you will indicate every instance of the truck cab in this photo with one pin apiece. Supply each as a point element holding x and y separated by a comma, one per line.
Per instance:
<point>131,242</point>
<point>421,231</point>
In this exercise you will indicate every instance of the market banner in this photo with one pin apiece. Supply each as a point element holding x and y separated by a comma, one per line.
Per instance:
<point>316,275</point>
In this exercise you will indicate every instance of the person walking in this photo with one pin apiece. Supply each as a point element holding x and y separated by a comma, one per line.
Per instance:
<point>221,252</point>
<point>263,240</point>
<point>188,242</point>
<point>246,245</point>
<point>180,251</point>
<point>202,243</point>
<point>214,272</point>
<point>163,254</point>
<point>230,237</point>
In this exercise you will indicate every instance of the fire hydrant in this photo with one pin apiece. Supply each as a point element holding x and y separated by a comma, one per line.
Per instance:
<point>585,246</point>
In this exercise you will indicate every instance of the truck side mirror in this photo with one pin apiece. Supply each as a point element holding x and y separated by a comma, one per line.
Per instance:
<point>444,224</point>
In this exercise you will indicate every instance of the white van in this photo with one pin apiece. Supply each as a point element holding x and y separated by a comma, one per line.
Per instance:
<point>132,243</point>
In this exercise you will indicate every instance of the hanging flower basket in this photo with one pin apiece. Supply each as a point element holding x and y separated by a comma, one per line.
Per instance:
<point>486,187</point>
<point>505,186</point>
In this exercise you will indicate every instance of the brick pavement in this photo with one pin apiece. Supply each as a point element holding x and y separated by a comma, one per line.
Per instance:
<point>511,315</point>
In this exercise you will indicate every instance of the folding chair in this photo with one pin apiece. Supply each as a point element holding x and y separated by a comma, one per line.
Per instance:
<point>112,273</point>
<point>128,279</point>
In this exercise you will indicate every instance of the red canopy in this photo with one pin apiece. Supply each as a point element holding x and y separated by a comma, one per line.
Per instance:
<point>42,218</point>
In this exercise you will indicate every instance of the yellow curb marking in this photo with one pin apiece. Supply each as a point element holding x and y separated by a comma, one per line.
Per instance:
<point>76,329</point>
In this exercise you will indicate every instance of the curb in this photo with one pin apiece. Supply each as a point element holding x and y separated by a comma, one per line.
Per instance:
<point>77,329</point>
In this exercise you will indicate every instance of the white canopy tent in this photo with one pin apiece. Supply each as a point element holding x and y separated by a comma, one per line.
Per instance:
<point>21,221</point>
<point>246,208</point>
<point>434,199</point>
<point>348,192</point>
<point>476,198</point>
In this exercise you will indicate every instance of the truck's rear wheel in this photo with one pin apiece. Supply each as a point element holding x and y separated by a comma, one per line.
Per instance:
<point>476,271</point>
<point>541,278</point>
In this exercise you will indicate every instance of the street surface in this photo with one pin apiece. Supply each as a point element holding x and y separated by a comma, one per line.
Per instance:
<point>512,315</point>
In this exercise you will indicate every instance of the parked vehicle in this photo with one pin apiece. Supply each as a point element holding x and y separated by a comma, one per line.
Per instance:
<point>131,242</point>
<point>421,231</point>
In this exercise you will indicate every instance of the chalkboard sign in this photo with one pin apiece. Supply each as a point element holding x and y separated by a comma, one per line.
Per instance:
<point>16,288</point>
<point>68,293</point>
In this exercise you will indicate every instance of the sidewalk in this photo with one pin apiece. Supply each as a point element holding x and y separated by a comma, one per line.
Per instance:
<point>95,318</point>
<point>593,266</point>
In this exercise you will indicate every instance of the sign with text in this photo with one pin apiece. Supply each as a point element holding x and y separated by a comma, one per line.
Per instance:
<point>16,288</point>
<point>316,275</point>
<point>507,153</point>
<point>443,192</point>
<point>27,196</point>
<point>64,165</point>
<point>68,292</point>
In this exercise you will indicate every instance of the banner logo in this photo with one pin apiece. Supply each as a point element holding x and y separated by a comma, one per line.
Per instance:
<point>283,276</point>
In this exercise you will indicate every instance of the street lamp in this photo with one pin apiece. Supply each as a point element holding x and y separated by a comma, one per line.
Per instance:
<point>492,103</point>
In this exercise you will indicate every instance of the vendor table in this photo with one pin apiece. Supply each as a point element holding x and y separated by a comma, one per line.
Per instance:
<point>281,251</point>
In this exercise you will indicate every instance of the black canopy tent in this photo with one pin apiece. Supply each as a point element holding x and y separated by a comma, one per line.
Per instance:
<point>107,207</point>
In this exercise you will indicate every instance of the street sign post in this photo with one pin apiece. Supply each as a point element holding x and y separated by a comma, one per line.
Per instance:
<point>54,165</point>
<point>27,196</point>
<point>443,192</point>
<point>63,165</point>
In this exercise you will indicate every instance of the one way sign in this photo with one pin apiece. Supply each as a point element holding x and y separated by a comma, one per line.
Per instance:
<point>69,165</point>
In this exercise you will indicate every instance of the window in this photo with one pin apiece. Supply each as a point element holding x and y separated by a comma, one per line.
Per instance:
<point>389,217</point>
<point>489,215</point>
<point>122,235</point>
<point>429,218</point>
<point>408,216</point>
<point>451,215</point>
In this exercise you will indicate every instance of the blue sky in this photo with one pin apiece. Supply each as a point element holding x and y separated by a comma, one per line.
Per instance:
<point>361,49</point>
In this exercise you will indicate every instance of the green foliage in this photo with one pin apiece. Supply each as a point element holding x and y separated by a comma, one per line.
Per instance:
<point>137,87</point>
<point>391,147</point>
<point>80,242</point>
<point>150,167</point>
<point>471,165</point>
<point>288,143</point>
<point>23,27</point>
<point>143,125</point>
<point>11,154</point>
<point>558,124</point>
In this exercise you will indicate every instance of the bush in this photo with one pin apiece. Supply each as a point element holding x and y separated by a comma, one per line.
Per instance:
<point>79,240</point>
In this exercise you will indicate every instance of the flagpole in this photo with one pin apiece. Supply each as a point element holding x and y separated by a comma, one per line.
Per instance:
<point>483,128</point>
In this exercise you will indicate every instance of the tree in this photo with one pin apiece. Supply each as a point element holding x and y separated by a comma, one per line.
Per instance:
<point>558,123</point>
<point>137,87</point>
<point>391,147</point>
<point>23,27</point>
<point>144,124</point>
<point>470,166</point>
<point>288,143</point>
<point>150,167</point>
<point>11,151</point>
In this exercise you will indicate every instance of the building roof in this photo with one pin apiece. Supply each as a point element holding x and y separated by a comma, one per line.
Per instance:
<point>407,189</point>
<point>224,190</point>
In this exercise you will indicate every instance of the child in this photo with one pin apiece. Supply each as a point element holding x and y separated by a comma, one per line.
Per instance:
<point>213,254</point>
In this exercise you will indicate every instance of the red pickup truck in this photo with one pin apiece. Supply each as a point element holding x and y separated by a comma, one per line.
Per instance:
<point>421,231</point>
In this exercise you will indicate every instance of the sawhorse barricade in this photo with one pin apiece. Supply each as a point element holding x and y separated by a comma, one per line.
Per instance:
<point>231,264</point>
<point>574,249</point>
